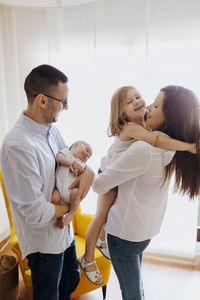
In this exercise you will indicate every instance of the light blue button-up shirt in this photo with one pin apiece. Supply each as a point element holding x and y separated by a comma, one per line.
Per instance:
<point>27,161</point>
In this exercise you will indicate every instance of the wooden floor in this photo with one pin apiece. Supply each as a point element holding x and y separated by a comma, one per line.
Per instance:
<point>160,283</point>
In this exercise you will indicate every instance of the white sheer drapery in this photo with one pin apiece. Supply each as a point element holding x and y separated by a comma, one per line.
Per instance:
<point>102,45</point>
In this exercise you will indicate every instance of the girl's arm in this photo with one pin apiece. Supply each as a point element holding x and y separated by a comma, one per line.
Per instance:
<point>132,163</point>
<point>137,132</point>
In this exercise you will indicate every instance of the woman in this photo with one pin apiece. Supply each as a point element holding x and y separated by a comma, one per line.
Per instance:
<point>142,175</point>
<point>126,125</point>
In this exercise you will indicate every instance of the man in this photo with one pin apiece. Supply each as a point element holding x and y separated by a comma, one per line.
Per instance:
<point>28,167</point>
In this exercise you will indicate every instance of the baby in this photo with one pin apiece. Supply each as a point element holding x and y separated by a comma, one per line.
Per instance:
<point>71,164</point>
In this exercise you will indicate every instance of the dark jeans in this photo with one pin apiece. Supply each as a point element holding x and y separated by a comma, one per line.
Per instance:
<point>54,276</point>
<point>126,259</point>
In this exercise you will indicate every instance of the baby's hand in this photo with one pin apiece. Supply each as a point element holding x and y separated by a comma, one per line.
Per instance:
<point>76,169</point>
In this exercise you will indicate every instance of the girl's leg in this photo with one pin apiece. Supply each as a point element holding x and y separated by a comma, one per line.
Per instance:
<point>102,244</point>
<point>102,234</point>
<point>104,202</point>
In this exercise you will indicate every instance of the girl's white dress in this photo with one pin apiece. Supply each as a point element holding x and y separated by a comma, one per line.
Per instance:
<point>114,152</point>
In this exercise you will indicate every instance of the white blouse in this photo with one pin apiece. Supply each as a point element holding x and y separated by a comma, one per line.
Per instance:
<point>139,208</point>
<point>114,152</point>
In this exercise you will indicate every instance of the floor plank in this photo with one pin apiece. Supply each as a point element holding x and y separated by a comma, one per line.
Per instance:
<point>160,283</point>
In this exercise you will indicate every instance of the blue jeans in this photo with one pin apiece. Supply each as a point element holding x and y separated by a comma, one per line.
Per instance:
<point>126,259</point>
<point>54,276</point>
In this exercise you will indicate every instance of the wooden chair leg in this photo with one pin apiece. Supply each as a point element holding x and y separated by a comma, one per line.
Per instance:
<point>104,291</point>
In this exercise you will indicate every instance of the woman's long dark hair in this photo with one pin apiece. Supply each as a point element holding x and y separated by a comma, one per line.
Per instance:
<point>182,122</point>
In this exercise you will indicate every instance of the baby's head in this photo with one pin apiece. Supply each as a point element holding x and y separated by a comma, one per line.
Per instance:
<point>127,105</point>
<point>81,150</point>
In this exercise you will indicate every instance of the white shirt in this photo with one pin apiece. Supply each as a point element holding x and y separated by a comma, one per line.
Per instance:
<point>28,168</point>
<point>114,152</point>
<point>139,208</point>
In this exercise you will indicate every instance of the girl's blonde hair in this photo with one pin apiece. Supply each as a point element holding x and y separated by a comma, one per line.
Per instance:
<point>117,119</point>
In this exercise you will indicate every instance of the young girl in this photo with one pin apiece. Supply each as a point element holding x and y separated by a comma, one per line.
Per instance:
<point>127,108</point>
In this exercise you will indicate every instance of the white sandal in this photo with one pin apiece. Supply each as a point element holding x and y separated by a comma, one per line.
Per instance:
<point>104,251</point>
<point>93,276</point>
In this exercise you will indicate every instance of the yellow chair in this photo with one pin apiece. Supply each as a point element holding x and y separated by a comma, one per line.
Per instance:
<point>80,222</point>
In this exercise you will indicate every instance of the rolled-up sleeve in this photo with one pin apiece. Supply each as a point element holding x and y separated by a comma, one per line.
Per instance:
<point>132,163</point>
<point>24,185</point>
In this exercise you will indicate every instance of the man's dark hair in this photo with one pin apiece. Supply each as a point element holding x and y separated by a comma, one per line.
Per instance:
<point>41,79</point>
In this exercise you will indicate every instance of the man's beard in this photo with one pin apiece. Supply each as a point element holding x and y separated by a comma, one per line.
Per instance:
<point>49,116</point>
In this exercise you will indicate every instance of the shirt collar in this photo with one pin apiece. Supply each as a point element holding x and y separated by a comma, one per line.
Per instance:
<point>34,126</point>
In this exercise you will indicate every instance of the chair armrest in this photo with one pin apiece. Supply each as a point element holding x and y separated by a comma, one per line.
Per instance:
<point>82,223</point>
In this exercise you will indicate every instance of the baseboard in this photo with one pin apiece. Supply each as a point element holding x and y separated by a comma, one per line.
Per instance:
<point>173,261</point>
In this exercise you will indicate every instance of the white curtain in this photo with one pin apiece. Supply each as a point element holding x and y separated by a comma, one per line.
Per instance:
<point>102,45</point>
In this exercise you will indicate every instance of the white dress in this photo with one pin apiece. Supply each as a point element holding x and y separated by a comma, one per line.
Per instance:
<point>114,152</point>
<point>64,177</point>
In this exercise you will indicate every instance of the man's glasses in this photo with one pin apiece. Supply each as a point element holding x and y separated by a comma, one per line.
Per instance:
<point>64,102</point>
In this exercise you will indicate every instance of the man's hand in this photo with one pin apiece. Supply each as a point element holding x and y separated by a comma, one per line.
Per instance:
<point>83,183</point>
<point>60,210</point>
